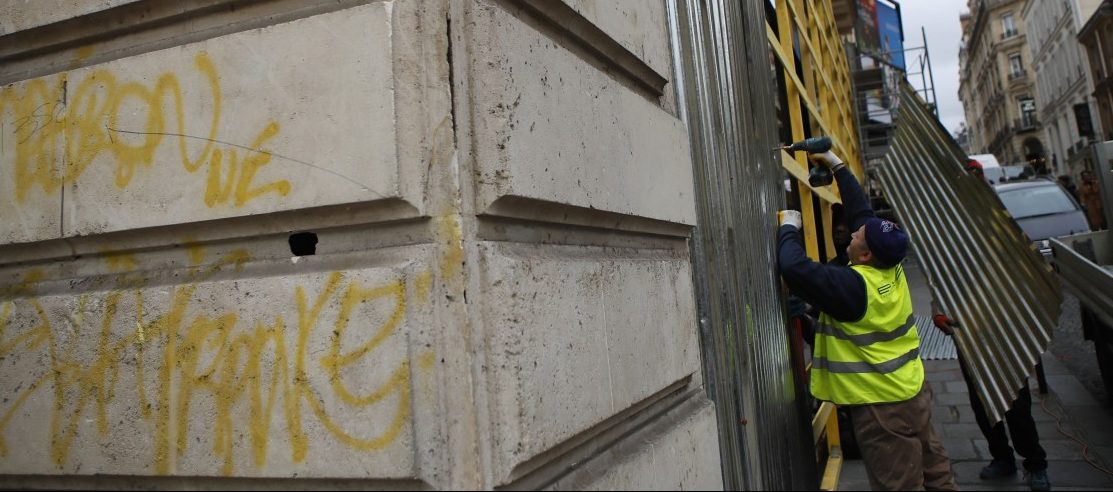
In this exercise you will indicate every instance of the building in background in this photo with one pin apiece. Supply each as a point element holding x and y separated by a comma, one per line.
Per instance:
<point>962,137</point>
<point>1063,85</point>
<point>996,86</point>
<point>1096,37</point>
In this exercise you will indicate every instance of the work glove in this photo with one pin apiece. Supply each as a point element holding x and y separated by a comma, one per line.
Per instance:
<point>827,159</point>
<point>790,217</point>
<point>945,324</point>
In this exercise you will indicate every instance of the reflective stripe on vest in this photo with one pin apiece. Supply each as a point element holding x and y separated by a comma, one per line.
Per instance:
<point>874,359</point>
<point>868,338</point>
<point>865,367</point>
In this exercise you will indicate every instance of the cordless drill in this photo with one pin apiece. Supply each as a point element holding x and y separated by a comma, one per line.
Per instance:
<point>819,175</point>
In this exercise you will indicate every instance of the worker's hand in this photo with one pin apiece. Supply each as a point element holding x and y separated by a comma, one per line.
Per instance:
<point>790,217</point>
<point>945,324</point>
<point>826,159</point>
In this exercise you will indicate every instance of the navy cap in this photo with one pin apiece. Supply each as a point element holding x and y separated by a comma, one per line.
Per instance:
<point>886,241</point>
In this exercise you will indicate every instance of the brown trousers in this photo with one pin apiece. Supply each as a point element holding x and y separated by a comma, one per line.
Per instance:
<point>899,446</point>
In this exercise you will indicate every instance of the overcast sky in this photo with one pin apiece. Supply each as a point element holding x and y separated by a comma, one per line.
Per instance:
<point>939,20</point>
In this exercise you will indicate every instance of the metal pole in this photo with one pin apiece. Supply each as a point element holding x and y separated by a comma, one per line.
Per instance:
<point>927,56</point>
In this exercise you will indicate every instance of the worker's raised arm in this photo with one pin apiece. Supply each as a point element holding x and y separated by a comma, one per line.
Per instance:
<point>835,290</point>
<point>856,206</point>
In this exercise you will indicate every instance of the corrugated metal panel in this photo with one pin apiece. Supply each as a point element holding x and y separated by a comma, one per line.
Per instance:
<point>727,101</point>
<point>934,345</point>
<point>982,268</point>
<point>1084,262</point>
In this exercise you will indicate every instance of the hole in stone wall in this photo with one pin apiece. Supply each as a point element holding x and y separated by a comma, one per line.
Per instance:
<point>303,244</point>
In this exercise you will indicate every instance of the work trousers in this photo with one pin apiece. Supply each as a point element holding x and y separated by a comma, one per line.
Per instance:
<point>899,446</point>
<point>1022,428</point>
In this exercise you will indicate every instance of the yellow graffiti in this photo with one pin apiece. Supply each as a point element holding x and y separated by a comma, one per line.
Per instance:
<point>452,261</point>
<point>422,284</point>
<point>120,262</point>
<point>211,356</point>
<point>56,123</point>
<point>82,54</point>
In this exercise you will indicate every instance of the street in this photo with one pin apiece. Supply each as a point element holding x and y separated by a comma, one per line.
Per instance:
<point>1067,344</point>
<point>1077,354</point>
<point>1071,418</point>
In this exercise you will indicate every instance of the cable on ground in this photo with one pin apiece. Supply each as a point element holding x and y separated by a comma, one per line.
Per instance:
<point>1085,445</point>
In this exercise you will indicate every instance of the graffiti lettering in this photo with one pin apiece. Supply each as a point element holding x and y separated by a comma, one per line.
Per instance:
<point>83,124</point>
<point>245,372</point>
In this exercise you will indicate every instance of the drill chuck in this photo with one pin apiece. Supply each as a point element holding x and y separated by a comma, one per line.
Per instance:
<point>814,145</point>
<point>818,176</point>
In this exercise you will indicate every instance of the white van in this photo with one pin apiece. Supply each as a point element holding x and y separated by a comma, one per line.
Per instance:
<point>986,160</point>
<point>990,167</point>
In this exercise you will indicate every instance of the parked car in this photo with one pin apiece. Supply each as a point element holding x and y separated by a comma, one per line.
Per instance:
<point>1004,174</point>
<point>1043,209</point>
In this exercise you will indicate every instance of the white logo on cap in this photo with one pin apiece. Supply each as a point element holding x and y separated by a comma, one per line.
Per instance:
<point>887,226</point>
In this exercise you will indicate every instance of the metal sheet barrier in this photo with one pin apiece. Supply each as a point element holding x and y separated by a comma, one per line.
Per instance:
<point>981,267</point>
<point>730,55</point>
<point>934,344</point>
<point>726,87</point>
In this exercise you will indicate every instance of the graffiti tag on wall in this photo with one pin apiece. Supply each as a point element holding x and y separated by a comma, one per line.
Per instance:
<point>79,122</point>
<point>181,362</point>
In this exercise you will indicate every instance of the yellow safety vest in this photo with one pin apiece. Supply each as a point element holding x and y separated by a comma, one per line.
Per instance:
<point>877,358</point>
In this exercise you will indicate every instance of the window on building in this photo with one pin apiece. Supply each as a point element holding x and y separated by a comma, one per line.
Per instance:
<point>1009,24</point>
<point>1016,66</point>
<point>1027,111</point>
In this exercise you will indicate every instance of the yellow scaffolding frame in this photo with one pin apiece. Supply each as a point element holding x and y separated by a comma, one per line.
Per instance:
<point>825,423</point>
<point>806,31</point>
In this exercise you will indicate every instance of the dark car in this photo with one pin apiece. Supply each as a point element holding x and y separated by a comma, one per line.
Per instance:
<point>1043,209</point>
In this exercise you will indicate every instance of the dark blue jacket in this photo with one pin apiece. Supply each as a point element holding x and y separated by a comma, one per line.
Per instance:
<point>837,290</point>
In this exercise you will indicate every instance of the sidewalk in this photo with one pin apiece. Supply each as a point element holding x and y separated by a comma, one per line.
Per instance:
<point>1067,408</point>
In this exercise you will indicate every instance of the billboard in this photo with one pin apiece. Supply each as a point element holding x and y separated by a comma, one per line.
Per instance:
<point>891,33</point>
<point>866,28</point>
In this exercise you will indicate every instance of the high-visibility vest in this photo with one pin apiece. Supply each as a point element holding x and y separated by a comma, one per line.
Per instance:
<point>875,359</point>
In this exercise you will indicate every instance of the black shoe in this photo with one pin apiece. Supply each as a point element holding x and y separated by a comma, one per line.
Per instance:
<point>998,469</point>
<point>1038,480</point>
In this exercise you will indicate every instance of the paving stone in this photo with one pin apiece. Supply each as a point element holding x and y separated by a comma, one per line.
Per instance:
<point>1090,423</point>
<point>1068,405</point>
<point>1102,454</point>
<point>1070,391</point>
<point>967,473</point>
<point>979,486</point>
<point>941,365</point>
<point>853,476</point>
<point>959,449</point>
<point>1051,430</point>
<point>982,446</point>
<point>941,414</point>
<point>1061,449</point>
<point>1053,366</point>
<point>1041,414</point>
<point>957,387</point>
<point>966,415</point>
<point>956,399</point>
<point>1066,474</point>
<point>935,378</point>
<point>961,430</point>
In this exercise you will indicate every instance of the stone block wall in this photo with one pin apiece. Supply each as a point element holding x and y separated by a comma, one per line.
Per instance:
<point>403,244</point>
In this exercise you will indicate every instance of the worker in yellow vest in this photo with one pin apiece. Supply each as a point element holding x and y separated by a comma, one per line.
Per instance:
<point>866,355</point>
